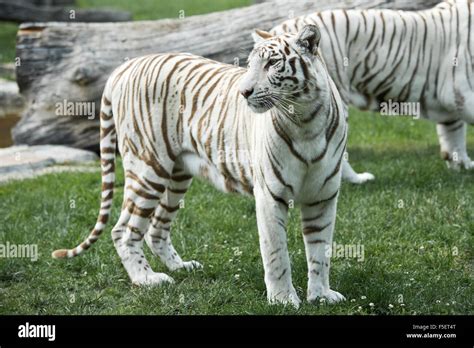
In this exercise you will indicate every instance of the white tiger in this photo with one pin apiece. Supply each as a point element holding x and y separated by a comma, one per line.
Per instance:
<point>276,130</point>
<point>423,57</point>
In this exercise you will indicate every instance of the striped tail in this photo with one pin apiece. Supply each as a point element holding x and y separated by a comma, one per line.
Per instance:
<point>108,140</point>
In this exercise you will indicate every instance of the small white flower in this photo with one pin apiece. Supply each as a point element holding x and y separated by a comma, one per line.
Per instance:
<point>230,260</point>
<point>237,251</point>
<point>438,301</point>
<point>353,300</point>
<point>402,305</point>
<point>359,308</point>
<point>447,303</point>
<point>412,279</point>
<point>237,276</point>
<point>363,297</point>
<point>390,306</point>
<point>244,216</point>
<point>371,304</point>
<point>422,247</point>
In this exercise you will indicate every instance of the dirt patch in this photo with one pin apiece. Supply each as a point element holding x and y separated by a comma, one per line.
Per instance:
<point>6,125</point>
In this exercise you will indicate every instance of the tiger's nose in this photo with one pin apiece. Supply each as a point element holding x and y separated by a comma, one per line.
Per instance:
<point>247,93</point>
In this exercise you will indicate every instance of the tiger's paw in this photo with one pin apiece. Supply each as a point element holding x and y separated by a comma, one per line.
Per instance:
<point>362,178</point>
<point>288,297</point>
<point>457,160</point>
<point>153,279</point>
<point>469,165</point>
<point>191,265</point>
<point>458,165</point>
<point>329,295</point>
<point>186,265</point>
<point>349,175</point>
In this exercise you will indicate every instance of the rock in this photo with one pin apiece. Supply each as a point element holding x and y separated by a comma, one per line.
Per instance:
<point>20,162</point>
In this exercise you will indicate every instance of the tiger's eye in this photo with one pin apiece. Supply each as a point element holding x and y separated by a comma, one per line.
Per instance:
<point>271,62</point>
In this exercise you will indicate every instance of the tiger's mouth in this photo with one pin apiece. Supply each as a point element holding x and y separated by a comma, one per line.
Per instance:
<point>260,105</point>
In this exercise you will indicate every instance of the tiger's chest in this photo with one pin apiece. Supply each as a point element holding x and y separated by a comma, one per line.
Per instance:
<point>302,174</point>
<point>311,182</point>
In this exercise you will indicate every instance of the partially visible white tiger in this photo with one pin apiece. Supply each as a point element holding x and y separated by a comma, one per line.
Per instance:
<point>276,130</point>
<point>425,57</point>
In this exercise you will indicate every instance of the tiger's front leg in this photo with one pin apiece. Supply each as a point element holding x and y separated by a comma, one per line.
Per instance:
<point>271,221</point>
<point>318,226</point>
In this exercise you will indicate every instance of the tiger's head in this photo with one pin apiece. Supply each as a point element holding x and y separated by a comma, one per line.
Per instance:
<point>279,68</point>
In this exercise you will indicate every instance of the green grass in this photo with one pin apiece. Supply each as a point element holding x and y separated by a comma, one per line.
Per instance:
<point>153,9</point>
<point>420,254</point>
<point>7,41</point>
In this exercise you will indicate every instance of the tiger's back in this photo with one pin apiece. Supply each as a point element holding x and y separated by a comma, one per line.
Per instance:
<point>189,109</point>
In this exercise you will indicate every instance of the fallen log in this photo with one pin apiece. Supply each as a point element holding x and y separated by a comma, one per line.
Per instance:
<point>64,63</point>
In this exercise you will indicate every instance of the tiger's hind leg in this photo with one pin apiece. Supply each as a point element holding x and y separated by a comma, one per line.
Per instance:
<point>158,236</point>
<point>452,139</point>
<point>350,175</point>
<point>140,201</point>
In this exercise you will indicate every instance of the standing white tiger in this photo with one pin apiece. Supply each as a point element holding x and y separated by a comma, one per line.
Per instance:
<point>423,57</point>
<point>175,116</point>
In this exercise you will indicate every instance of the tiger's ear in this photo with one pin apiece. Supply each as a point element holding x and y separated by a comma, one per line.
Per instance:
<point>307,39</point>
<point>260,35</point>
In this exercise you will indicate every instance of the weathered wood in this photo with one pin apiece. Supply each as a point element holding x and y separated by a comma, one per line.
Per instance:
<point>20,11</point>
<point>71,62</point>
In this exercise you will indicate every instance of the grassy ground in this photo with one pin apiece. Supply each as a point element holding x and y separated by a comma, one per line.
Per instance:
<point>418,259</point>
<point>7,42</point>
<point>152,9</point>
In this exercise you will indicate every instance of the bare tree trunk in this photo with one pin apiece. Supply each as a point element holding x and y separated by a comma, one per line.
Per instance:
<point>61,63</point>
